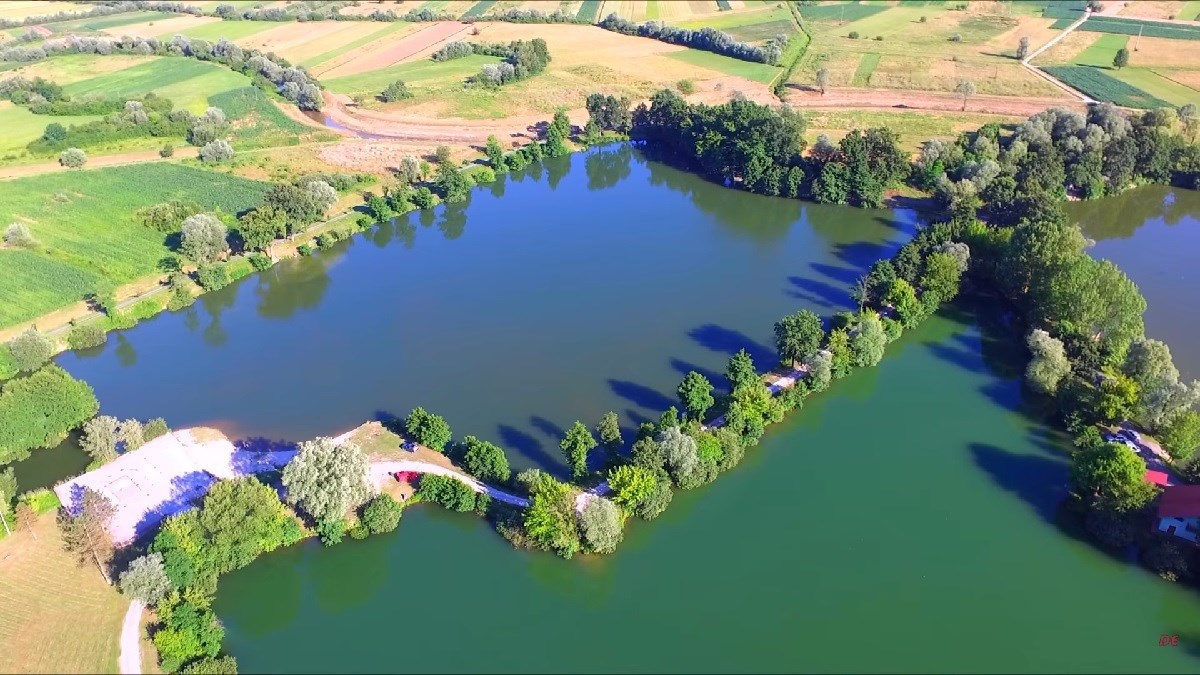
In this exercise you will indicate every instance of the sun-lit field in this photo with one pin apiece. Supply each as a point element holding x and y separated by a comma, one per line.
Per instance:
<point>19,9</point>
<point>162,27</point>
<point>1162,68</point>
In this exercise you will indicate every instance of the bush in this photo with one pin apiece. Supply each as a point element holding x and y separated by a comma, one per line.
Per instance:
<point>359,531</point>
<point>879,38</point>
<point>957,37</point>
<point>19,236</point>
<point>224,665</point>
<point>30,350</point>
<point>853,35</point>
<point>382,514</point>
<point>212,277</point>
<point>396,91</point>
<point>449,492</point>
<point>166,151</point>
<point>260,261</point>
<point>304,249</point>
<point>86,336</point>
<point>331,531</point>
<point>155,428</point>
<point>686,87</point>
<point>217,151</point>
<point>924,19</point>
<point>72,158</point>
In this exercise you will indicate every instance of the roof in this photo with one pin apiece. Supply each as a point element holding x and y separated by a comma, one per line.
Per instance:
<point>1158,478</point>
<point>1180,501</point>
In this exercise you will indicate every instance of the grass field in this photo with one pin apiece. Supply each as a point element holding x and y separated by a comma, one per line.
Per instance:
<point>21,126</point>
<point>99,23</point>
<point>232,30</point>
<point>866,68</point>
<point>256,123</point>
<point>1100,85</point>
<point>69,68</point>
<point>414,73</point>
<point>920,55</point>
<point>913,128</point>
<point>187,82</point>
<point>759,72</point>
<point>1123,26</point>
<point>842,11</point>
<point>90,241</point>
<point>1150,71</point>
<point>18,9</point>
<point>58,617</point>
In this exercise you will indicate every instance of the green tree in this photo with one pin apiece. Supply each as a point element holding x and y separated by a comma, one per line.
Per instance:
<point>741,372</point>
<point>203,238</point>
<point>556,142</point>
<point>562,123</point>
<point>841,359</point>
<point>657,502</point>
<point>85,530</point>
<point>1121,58</point>
<point>99,439</point>
<point>486,461</point>
<point>601,525</point>
<point>797,336</point>
<point>679,453</point>
<point>239,520</point>
<point>451,183</point>
<point>942,275</point>
<point>327,480</point>
<point>550,520</point>
<point>1180,434</point>
<point>30,350</point>
<point>609,432</point>
<point>822,79</point>
<point>396,91</point>
<point>576,445</point>
<point>38,410</point>
<point>73,158</point>
<point>447,491</point>
<point>428,429</point>
<point>495,155</point>
<point>820,371</point>
<point>262,226</point>
<point>868,344</point>
<point>631,484</point>
<point>1049,364</point>
<point>966,89</point>
<point>145,579</point>
<point>1111,478</point>
<point>208,665</point>
<point>382,514</point>
<point>695,393</point>
<point>1117,397</point>
<point>8,488</point>
<point>903,298</point>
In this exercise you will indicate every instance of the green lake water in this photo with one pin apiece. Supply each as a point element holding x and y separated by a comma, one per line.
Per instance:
<point>907,520</point>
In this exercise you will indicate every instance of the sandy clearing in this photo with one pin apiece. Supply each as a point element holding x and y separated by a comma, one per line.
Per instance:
<point>1068,48</point>
<point>413,45</point>
<point>572,44</point>
<point>720,89</point>
<point>1037,29</point>
<point>926,100</point>
<point>21,10</point>
<point>159,27</point>
<point>1148,9</point>
<point>288,38</point>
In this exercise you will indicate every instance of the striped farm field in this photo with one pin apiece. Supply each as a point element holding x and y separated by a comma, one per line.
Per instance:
<point>230,30</point>
<point>13,9</point>
<point>70,68</point>
<point>163,26</point>
<point>297,42</point>
<point>1103,87</point>
<point>394,51</point>
<point>589,10</point>
<point>188,83</point>
<point>759,72</point>
<point>328,57</point>
<point>866,68</point>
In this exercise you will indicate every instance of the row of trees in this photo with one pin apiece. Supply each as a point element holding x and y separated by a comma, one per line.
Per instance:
<point>522,59</point>
<point>103,10</point>
<point>265,70</point>
<point>705,39</point>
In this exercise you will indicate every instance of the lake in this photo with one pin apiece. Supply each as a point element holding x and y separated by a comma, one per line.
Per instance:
<point>905,520</point>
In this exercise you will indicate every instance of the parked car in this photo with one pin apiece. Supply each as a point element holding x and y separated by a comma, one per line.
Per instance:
<point>409,445</point>
<point>1131,435</point>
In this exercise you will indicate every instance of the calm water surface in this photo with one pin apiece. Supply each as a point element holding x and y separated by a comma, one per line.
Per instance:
<point>906,520</point>
<point>1153,234</point>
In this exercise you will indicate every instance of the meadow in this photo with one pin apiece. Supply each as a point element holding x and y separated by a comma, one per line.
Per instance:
<point>1100,85</point>
<point>88,239</point>
<point>187,82</point>
<point>1160,70</point>
<point>912,127</point>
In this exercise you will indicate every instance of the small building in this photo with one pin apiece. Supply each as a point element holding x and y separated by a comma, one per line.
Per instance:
<point>1179,512</point>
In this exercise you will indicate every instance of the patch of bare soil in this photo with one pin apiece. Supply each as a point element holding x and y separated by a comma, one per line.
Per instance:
<point>407,47</point>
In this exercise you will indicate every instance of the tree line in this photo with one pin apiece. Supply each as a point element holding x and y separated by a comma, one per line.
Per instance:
<point>705,39</point>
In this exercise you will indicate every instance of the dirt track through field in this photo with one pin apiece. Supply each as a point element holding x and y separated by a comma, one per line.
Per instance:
<point>405,48</point>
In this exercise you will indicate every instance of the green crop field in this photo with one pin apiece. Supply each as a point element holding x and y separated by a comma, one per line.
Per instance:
<point>589,10</point>
<point>98,23</point>
<point>413,73</point>
<point>1103,87</point>
<point>759,72</point>
<point>231,30</point>
<point>1102,51</point>
<point>1156,85</point>
<point>1114,24</point>
<point>734,20</point>
<point>842,11</point>
<point>256,122</point>
<point>89,240</point>
<point>187,82</point>
<point>866,68</point>
<point>478,9</point>
<point>21,126</point>
<point>355,44</point>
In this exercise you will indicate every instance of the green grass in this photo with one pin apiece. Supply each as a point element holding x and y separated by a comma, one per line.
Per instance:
<point>726,22</point>
<point>187,82</point>
<point>355,44</point>
<point>1158,86</point>
<point>21,126</point>
<point>652,9</point>
<point>89,238</point>
<point>759,72</point>
<point>842,11</point>
<point>478,9</point>
<point>912,127</point>
<point>1102,51</point>
<point>1190,11</point>
<point>232,30</point>
<point>1103,87</point>
<point>257,123</point>
<point>1123,26</point>
<point>98,23</point>
<point>589,10</point>
<point>862,75</point>
<point>413,73</point>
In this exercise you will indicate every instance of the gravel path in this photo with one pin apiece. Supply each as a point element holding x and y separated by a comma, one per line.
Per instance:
<point>131,640</point>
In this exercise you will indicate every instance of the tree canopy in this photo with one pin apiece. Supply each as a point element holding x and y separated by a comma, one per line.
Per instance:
<point>327,480</point>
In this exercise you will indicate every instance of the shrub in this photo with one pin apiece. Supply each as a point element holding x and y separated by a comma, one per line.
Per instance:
<point>396,91</point>
<point>382,514</point>
<point>41,500</point>
<point>924,18</point>
<point>600,524</point>
<point>72,158</point>
<point>209,665</point>
<point>155,428</point>
<point>166,151</point>
<point>304,249</point>
<point>331,531</point>
<point>212,277</point>
<point>18,235</point>
<point>30,350</point>
<point>449,492</point>
<point>686,87</point>
<point>428,429</point>
<point>879,38</point>
<point>957,37</point>
<point>853,35</point>
<point>85,336</point>
<point>217,151</point>
<point>260,261</point>
<point>327,239</point>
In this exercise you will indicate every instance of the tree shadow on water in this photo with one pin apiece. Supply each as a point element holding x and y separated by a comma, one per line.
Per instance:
<point>845,276</point>
<point>547,427</point>
<point>819,293</point>
<point>726,341</point>
<point>641,395</point>
<point>684,367</point>
<point>1038,481</point>
<point>532,448</point>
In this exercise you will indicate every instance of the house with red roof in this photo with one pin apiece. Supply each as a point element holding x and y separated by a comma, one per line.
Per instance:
<point>1179,512</point>
<point>1159,478</point>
